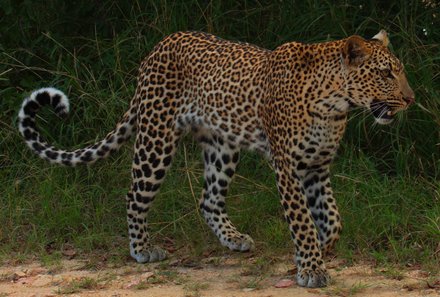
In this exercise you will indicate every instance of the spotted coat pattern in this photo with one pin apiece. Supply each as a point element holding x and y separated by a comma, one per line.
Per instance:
<point>289,104</point>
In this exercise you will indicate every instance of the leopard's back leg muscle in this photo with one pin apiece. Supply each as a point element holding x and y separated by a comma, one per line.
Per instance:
<point>157,138</point>
<point>152,158</point>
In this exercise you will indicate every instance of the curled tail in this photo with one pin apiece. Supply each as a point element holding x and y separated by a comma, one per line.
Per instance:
<point>58,100</point>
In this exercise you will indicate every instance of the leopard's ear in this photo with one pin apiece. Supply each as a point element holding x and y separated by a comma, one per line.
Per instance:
<point>382,36</point>
<point>355,51</point>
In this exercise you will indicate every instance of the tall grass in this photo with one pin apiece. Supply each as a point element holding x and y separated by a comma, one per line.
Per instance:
<point>386,179</point>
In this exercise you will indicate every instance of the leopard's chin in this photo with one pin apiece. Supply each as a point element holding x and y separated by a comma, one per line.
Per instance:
<point>382,113</point>
<point>383,121</point>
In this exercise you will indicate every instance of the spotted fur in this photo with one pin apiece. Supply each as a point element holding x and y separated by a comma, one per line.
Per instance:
<point>289,104</point>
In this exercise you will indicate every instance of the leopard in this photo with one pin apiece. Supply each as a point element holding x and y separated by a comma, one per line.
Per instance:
<point>290,104</point>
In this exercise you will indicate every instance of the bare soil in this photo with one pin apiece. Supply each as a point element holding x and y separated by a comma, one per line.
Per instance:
<point>225,276</point>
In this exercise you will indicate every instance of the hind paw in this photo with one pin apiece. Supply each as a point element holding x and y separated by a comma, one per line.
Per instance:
<point>240,243</point>
<point>310,278</point>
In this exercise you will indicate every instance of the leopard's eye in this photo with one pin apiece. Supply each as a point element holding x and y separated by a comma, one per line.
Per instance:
<point>387,73</point>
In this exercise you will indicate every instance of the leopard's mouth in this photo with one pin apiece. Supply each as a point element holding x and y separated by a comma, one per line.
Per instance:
<point>382,113</point>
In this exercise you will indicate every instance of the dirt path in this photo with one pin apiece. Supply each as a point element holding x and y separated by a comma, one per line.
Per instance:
<point>228,276</point>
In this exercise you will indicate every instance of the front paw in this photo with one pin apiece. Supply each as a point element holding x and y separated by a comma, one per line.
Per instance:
<point>312,278</point>
<point>148,255</point>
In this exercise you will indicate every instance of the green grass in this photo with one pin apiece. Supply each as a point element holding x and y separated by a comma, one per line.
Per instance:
<point>386,179</point>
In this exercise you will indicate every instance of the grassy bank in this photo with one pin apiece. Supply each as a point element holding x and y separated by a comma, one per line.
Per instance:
<point>386,179</point>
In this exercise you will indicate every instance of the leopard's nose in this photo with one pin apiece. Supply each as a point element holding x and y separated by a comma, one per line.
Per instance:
<point>409,100</point>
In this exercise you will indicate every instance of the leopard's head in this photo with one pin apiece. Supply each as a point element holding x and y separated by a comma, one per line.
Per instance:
<point>374,77</point>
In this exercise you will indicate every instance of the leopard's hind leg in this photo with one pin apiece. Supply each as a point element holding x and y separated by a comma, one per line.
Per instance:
<point>221,159</point>
<point>155,147</point>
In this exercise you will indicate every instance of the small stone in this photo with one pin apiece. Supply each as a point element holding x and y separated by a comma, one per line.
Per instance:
<point>132,284</point>
<point>18,275</point>
<point>69,252</point>
<point>284,283</point>
<point>146,275</point>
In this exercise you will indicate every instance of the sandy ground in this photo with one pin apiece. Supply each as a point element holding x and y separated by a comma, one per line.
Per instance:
<point>226,276</point>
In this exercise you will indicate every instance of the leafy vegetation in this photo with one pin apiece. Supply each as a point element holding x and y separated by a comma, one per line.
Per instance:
<point>386,179</point>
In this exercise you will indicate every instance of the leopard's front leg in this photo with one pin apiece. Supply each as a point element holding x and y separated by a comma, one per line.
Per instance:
<point>323,206</point>
<point>311,268</point>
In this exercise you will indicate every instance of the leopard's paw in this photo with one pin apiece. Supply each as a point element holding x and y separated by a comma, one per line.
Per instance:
<point>240,243</point>
<point>312,278</point>
<point>151,254</point>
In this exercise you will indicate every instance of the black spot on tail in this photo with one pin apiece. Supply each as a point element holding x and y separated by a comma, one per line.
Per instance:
<point>87,157</point>
<point>43,98</point>
<point>28,122</point>
<point>122,130</point>
<point>38,147</point>
<point>67,156</point>
<point>60,110</point>
<point>55,101</point>
<point>28,134</point>
<point>52,155</point>
<point>100,153</point>
<point>31,108</point>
